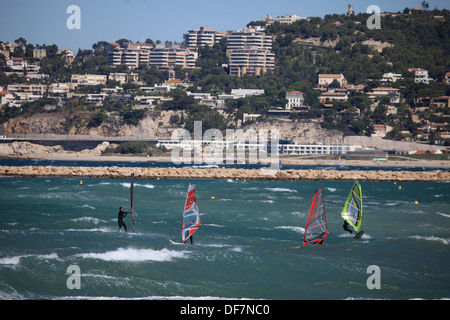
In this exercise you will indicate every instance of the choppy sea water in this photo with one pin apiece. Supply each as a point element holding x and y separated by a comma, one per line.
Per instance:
<point>249,244</point>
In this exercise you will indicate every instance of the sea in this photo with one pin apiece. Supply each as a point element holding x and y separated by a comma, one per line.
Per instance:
<point>59,240</point>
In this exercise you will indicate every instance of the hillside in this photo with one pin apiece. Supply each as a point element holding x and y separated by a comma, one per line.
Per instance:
<point>336,44</point>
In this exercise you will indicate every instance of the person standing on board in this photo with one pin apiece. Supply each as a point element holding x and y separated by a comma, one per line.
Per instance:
<point>190,225</point>
<point>346,227</point>
<point>120,217</point>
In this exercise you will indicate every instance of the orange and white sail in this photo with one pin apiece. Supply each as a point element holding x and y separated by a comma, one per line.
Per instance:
<point>191,215</point>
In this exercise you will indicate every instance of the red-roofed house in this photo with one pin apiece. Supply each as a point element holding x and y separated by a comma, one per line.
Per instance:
<point>294,98</point>
<point>447,78</point>
<point>17,64</point>
<point>420,75</point>
<point>380,130</point>
<point>6,97</point>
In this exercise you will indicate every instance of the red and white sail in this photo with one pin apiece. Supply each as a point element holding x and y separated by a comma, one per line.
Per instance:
<point>316,227</point>
<point>191,215</point>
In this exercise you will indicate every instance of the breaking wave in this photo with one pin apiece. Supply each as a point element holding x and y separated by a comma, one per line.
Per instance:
<point>281,189</point>
<point>135,255</point>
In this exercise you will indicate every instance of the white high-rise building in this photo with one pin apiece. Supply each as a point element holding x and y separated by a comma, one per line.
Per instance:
<point>204,36</point>
<point>132,54</point>
<point>168,56</point>
<point>251,60</point>
<point>249,50</point>
<point>249,37</point>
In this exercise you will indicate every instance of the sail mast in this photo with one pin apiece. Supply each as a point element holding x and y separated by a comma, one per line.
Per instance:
<point>131,199</point>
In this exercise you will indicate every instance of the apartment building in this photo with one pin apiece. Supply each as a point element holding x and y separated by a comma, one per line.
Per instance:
<point>248,37</point>
<point>168,56</point>
<point>200,38</point>
<point>249,51</point>
<point>242,93</point>
<point>81,80</point>
<point>22,97</point>
<point>377,93</point>
<point>38,89</point>
<point>315,149</point>
<point>60,88</point>
<point>252,61</point>
<point>132,54</point>
<point>114,54</point>
<point>287,19</point>
<point>136,54</point>
<point>96,97</point>
<point>19,65</point>
<point>333,96</point>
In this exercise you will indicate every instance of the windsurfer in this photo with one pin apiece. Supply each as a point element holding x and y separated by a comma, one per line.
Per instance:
<point>346,227</point>
<point>120,217</point>
<point>190,225</point>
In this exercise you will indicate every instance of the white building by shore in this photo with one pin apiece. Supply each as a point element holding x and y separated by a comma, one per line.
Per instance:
<point>283,149</point>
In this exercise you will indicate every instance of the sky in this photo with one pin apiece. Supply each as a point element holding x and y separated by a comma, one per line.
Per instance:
<point>45,21</point>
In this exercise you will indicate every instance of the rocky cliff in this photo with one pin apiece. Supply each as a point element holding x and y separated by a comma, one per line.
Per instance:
<point>58,123</point>
<point>301,132</point>
<point>24,149</point>
<point>156,126</point>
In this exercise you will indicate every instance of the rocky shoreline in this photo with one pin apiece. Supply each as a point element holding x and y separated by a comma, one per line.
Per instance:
<point>221,173</point>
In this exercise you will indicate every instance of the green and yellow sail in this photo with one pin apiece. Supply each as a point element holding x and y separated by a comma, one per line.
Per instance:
<point>352,212</point>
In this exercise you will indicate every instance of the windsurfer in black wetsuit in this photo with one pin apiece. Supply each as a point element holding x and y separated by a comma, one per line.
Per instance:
<point>190,225</point>
<point>346,227</point>
<point>120,217</point>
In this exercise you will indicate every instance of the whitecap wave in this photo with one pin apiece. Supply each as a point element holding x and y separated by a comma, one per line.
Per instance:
<point>88,206</point>
<point>292,228</point>
<point>443,214</point>
<point>214,225</point>
<point>15,260</point>
<point>103,229</point>
<point>135,255</point>
<point>281,189</point>
<point>128,185</point>
<point>431,238</point>
<point>87,219</point>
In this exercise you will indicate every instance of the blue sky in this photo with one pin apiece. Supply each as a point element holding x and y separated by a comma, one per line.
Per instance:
<point>44,21</point>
